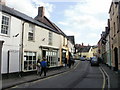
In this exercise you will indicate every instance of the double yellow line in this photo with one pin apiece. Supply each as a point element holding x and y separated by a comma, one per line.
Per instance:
<point>104,78</point>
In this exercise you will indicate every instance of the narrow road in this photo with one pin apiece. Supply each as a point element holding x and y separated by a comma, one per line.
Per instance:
<point>82,76</point>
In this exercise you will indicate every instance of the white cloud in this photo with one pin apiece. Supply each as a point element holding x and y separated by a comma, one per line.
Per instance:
<point>70,32</point>
<point>63,23</point>
<point>89,17</point>
<point>30,7</point>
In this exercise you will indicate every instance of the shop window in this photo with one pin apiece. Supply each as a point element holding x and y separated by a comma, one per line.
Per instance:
<point>29,61</point>
<point>52,57</point>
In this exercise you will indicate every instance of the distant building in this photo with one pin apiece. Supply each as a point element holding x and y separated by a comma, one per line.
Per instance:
<point>109,44</point>
<point>86,51</point>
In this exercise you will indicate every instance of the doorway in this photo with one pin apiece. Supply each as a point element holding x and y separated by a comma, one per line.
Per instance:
<point>116,58</point>
<point>43,53</point>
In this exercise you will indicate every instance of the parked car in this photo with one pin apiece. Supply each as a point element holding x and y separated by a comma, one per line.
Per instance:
<point>94,61</point>
<point>82,59</point>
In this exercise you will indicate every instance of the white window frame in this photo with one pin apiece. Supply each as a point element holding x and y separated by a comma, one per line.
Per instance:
<point>50,38</point>
<point>5,24</point>
<point>31,31</point>
<point>26,62</point>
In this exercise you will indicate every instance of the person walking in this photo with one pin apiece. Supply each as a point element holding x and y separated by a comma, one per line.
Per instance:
<point>43,64</point>
<point>38,66</point>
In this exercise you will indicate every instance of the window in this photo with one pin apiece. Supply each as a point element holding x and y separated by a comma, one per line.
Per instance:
<point>52,58</point>
<point>63,41</point>
<point>31,32</point>
<point>50,38</point>
<point>5,25</point>
<point>114,28</point>
<point>117,24</point>
<point>29,61</point>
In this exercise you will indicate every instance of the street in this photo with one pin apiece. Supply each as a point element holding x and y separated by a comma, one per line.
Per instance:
<point>81,76</point>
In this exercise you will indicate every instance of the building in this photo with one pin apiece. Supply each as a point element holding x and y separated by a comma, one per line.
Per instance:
<point>27,39</point>
<point>10,33</point>
<point>85,51</point>
<point>114,13</point>
<point>71,44</point>
<point>95,50</point>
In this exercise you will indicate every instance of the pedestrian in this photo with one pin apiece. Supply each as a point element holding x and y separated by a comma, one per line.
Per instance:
<point>43,64</point>
<point>65,62</point>
<point>38,66</point>
<point>69,63</point>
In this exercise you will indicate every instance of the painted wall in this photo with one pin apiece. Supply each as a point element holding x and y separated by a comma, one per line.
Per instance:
<point>11,44</point>
<point>41,38</point>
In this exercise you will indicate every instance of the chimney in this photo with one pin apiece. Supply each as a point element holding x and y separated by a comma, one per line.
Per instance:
<point>41,11</point>
<point>82,44</point>
<point>2,2</point>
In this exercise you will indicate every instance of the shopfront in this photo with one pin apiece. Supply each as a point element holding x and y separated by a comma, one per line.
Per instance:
<point>51,55</point>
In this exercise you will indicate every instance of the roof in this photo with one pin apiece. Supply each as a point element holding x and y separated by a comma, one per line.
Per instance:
<point>57,28</point>
<point>24,17</point>
<point>84,49</point>
<point>47,22</point>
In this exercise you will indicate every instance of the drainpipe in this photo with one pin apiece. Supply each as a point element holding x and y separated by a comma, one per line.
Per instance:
<point>21,49</point>
<point>110,50</point>
<point>1,44</point>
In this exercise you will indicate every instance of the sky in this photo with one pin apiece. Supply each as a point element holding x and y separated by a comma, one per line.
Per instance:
<point>85,19</point>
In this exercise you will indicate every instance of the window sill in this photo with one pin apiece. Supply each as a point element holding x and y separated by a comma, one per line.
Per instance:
<point>31,40</point>
<point>5,35</point>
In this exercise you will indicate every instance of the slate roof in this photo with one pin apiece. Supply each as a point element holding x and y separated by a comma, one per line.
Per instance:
<point>84,49</point>
<point>47,22</point>
<point>24,17</point>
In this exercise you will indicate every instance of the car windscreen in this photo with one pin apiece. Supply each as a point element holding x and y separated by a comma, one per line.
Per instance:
<point>94,59</point>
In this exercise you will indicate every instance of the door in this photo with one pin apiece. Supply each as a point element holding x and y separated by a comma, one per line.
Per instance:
<point>116,58</point>
<point>13,61</point>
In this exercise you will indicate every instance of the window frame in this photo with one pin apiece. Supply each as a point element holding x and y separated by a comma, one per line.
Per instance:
<point>9,23</point>
<point>50,38</point>
<point>31,31</point>
<point>27,61</point>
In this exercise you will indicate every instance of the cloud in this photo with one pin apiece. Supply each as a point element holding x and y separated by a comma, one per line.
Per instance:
<point>63,23</point>
<point>70,32</point>
<point>89,18</point>
<point>30,7</point>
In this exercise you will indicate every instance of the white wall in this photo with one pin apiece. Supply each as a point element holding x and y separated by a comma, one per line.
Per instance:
<point>40,34</point>
<point>11,42</point>
<point>71,47</point>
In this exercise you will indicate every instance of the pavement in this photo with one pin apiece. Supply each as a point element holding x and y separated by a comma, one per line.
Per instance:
<point>11,82</point>
<point>113,75</point>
